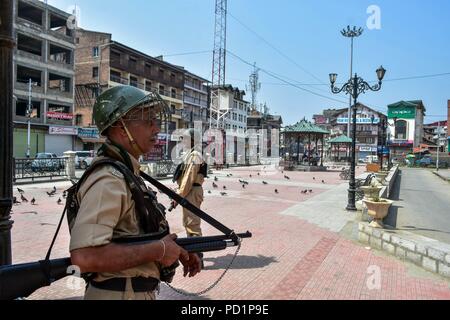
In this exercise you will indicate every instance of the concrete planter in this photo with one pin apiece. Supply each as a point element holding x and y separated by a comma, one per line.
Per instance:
<point>378,210</point>
<point>371,192</point>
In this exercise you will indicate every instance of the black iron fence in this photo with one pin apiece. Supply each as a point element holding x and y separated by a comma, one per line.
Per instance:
<point>49,168</point>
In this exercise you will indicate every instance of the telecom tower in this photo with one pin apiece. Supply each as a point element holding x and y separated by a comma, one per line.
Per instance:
<point>255,85</point>
<point>217,114</point>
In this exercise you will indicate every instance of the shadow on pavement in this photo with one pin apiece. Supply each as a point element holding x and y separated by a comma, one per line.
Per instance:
<point>391,218</point>
<point>241,262</point>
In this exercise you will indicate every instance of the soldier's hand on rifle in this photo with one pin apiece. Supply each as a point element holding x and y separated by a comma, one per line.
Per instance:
<point>171,252</point>
<point>192,266</point>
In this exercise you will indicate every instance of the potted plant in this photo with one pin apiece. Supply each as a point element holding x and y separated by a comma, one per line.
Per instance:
<point>378,209</point>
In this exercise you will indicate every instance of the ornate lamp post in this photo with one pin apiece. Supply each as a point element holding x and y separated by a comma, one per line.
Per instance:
<point>351,33</point>
<point>354,87</point>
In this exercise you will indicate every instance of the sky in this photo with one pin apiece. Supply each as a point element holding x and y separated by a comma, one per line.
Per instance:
<point>296,44</point>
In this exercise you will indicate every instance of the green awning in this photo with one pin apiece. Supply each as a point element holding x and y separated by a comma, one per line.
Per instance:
<point>341,139</point>
<point>305,126</point>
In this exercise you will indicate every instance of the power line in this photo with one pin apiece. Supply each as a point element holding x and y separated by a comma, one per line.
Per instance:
<point>275,48</point>
<point>186,53</point>
<point>279,77</point>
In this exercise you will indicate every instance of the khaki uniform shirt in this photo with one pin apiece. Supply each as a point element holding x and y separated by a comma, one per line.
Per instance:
<point>106,212</point>
<point>192,161</point>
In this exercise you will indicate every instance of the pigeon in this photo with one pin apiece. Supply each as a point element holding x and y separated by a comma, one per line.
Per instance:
<point>245,182</point>
<point>282,171</point>
<point>223,193</point>
<point>33,201</point>
<point>250,176</point>
<point>214,185</point>
<point>314,178</point>
<point>276,190</point>
<point>215,178</point>
<point>15,200</point>
<point>209,191</point>
<point>54,189</point>
<point>258,173</point>
<point>224,188</point>
<point>310,191</point>
<point>23,198</point>
<point>264,182</point>
<point>20,190</point>
<point>65,194</point>
<point>323,181</point>
<point>50,194</point>
<point>243,186</point>
<point>59,201</point>
<point>286,177</point>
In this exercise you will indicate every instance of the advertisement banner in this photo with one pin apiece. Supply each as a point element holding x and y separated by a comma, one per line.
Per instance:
<point>59,115</point>
<point>63,131</point>
<point>359,120</point>
<point>402,112</point>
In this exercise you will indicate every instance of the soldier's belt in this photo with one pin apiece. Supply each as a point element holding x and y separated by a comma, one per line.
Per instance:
<point>139,284</point>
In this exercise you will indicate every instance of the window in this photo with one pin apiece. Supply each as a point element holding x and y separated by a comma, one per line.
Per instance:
<point>94,72</point>
<point>173,93</point>
<point>161,73</point>
<point>172,77</point>
<point>115,76</point>
<point>148,68</point>
<point>78,119</point>
<point>400,129</point>
<point>133,81</point>
<point>77,40</point>
<point>115,57</point>
<point>95,52</point>
<point>132,63</point>
<point>148,85</point>
<point>22,106</point>
<point>161,90</point>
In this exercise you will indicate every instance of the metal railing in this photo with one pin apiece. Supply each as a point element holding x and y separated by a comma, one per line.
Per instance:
<point>165,168</point>
<point>25,168</point>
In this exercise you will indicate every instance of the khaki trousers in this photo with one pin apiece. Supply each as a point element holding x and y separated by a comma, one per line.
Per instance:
<point>93,293</point>
<point>190,221</point>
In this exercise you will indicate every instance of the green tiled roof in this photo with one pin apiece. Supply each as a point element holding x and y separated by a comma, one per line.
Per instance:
<point>305,126</point>
<point>341,139</point>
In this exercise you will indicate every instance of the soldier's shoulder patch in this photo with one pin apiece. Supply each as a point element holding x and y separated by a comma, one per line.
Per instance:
<point>116,172</point>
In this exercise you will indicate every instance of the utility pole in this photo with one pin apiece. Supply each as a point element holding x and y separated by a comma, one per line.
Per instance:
<point>218,64</point>
<point>255,85</point>
<point>438,145</point>
<point>6,146</point>
<point>28,113</point>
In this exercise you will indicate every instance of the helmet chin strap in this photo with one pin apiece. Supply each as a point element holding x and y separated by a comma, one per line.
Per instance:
<point>133,143</point>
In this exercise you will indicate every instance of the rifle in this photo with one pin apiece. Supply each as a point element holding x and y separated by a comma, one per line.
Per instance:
<point>21,280</point>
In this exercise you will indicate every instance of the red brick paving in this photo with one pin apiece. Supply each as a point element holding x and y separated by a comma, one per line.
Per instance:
<point>287,258</point>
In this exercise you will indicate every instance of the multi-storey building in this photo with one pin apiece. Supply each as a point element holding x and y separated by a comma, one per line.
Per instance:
<point>369,128</point>
<point>405,130</point>
<point>103,63</point>
<point>196,100</point>
<point>232,100</point>
<point>44,72</point>
<point>265,122</point>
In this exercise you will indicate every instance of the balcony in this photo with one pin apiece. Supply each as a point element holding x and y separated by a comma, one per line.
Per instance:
<point>196,101</point>
<point>118,79</point>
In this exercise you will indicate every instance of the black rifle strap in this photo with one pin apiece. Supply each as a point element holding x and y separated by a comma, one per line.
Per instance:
<point>186,204</point>
<point>47,256</point>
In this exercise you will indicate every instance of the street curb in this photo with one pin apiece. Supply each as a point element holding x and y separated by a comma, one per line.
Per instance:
<point>427,253</point>
<point>442,177</point>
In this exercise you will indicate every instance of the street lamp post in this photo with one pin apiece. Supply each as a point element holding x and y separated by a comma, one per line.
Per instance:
<point>351,33</point>
<point>354,87</point>
<point>29,116</point>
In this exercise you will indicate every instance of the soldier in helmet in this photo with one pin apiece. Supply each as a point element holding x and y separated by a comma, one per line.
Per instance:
<point>190,177</point>
<point>128,117</point>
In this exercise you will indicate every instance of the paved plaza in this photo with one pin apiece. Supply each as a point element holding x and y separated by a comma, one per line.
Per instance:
<point>303,245</point>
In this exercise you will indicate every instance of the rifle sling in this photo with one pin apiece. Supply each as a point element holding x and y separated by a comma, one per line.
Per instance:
<point>186,204</point>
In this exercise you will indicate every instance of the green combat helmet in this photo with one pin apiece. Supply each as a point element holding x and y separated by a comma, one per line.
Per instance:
<point>115,102</point>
